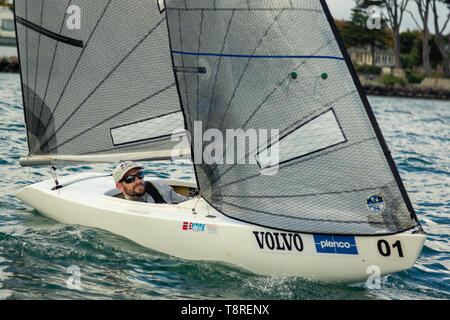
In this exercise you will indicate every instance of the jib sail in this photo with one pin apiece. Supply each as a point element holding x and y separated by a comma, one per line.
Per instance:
<point>97,80</point>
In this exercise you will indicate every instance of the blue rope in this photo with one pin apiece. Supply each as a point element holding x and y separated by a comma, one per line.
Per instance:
<point>254,56</point>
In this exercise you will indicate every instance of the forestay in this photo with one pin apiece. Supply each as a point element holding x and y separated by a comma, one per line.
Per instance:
<point>280,65</point>
<point>97,80</point>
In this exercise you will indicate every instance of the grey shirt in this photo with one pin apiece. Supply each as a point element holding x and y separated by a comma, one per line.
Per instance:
<point>166,192</point>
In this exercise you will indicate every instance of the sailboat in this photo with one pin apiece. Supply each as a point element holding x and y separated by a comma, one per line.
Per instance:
<point>112,80</point>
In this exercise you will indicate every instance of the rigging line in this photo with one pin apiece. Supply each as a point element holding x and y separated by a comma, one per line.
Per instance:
<point>51,71</point>
<point>218,67</point>
<point>103,81</point>
<point>37,57</point>
<point>114,115</point>
<point>297,161</point>
<point>298,218</point>
<point>229,55</point>
<point>76,66</point>
<point>304,195</point>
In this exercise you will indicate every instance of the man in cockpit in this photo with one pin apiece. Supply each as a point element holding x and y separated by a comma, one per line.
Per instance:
<point>130,180</point>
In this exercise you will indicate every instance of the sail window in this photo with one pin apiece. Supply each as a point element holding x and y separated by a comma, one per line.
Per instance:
<point>161,5</point>
<point>153,128</point>
<point>320,133</point>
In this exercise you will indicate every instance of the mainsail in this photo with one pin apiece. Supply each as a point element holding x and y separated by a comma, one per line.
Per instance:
<point>117,83</point>
<point>97,80</point>
<point>265,64</point>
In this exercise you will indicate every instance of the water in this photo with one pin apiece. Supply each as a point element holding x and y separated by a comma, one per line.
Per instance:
<point>8,51</point>
<point>36,252</point>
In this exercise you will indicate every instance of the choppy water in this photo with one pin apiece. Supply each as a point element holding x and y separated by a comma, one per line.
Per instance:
<point>35,252</point>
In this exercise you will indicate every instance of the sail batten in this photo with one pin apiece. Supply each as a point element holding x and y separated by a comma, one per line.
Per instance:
<point>50,34</point>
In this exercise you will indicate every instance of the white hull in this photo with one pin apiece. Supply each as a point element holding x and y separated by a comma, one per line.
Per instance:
<point>209,235</point>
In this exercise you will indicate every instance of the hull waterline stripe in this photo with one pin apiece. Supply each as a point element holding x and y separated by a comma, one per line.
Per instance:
<point>50,34</point>
<point>226,55</point>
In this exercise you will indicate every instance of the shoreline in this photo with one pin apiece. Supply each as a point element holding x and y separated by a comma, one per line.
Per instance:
<point>11,65</point>
<point>407,92</point>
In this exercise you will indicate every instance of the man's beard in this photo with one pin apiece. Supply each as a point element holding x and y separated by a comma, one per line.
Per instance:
<point>130,194</point>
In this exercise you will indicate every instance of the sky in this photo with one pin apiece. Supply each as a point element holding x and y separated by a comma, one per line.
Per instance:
<point>341,9</point>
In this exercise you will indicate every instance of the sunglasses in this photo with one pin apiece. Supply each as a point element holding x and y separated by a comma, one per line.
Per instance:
<point>131,178</point>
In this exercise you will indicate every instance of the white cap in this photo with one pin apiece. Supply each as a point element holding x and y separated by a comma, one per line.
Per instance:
<point>122,169</point>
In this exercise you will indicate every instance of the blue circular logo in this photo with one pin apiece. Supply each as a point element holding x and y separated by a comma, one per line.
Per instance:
<point>375,203</point>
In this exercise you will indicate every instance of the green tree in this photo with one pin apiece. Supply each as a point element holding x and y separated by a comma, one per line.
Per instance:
<point>411,49</point>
